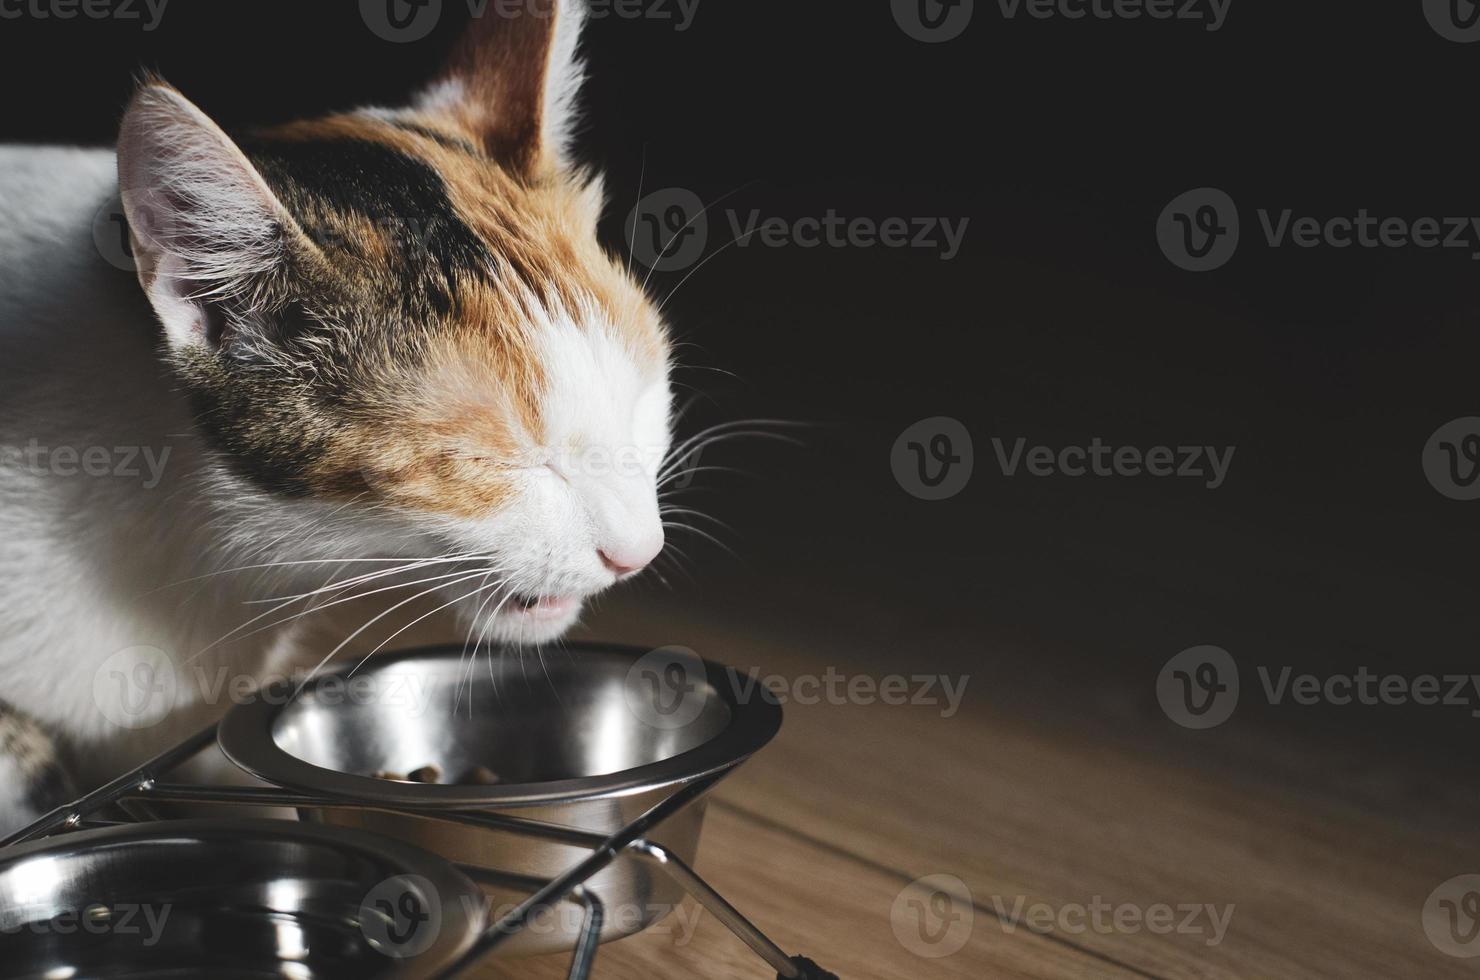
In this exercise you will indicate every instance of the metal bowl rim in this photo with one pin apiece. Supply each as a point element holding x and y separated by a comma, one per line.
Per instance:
<point>457,892</point>
<point>245,736</point>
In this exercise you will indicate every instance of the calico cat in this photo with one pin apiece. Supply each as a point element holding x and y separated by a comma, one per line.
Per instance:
<point>387,335</point>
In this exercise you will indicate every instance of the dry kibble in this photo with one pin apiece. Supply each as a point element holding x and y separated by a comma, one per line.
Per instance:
<point>432,773</point>
<point>479,776</point>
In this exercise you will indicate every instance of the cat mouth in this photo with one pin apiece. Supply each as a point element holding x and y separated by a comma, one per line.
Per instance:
<point>542,606</point>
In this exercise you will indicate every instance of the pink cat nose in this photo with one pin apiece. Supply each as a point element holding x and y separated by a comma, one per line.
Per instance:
<point>626,560</point>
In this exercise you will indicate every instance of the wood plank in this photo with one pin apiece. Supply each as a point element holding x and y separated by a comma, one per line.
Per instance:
<point>1031,810</point>
<point>809,899</point>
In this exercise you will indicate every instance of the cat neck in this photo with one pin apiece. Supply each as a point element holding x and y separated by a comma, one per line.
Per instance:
<point>117,519</point>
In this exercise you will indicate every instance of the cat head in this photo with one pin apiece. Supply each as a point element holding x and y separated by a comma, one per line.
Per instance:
<point>405,314</point>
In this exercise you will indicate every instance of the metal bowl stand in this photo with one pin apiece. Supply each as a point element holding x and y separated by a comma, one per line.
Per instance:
<point>136,791</point>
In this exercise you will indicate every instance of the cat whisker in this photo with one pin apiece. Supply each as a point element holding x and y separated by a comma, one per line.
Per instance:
<point>632,235</point>
<point>690,512</point>
<point>675,526</point>
<point>356,634</point>
<point>310,611</point>
<point>678,235</point>
<point>383,643</point>
<point>671,477</point>
<point>708,259</point>
<point>725,427</point>
<point>317,561</point>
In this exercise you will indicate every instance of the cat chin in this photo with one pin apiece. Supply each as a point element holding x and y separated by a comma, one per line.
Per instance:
<point>528,627</point>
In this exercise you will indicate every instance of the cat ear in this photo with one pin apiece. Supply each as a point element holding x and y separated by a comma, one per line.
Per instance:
<point>206,230</point>
<point>513,80</point>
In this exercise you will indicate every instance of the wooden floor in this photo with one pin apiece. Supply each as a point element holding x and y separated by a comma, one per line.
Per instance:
<point>820,837</point>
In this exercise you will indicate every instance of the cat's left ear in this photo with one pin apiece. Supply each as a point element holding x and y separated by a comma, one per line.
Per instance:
<point>207,232</point>
<point>512,83</point>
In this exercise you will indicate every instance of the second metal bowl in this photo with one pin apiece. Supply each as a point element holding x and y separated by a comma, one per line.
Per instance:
<point>231,899</point>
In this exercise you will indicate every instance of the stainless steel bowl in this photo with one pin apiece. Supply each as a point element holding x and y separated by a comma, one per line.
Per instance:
<point>231,899</point>
<point>590,737</point>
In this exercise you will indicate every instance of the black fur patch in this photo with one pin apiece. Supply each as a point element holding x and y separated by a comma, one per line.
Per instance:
<point>403,197</point>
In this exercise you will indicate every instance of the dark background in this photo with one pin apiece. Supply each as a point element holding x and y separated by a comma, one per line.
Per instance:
<point>1060,321</point>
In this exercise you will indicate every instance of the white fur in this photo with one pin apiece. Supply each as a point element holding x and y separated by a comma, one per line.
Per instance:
<point>564,80</point>
<point>91,569</point>
<point>588,483</point>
